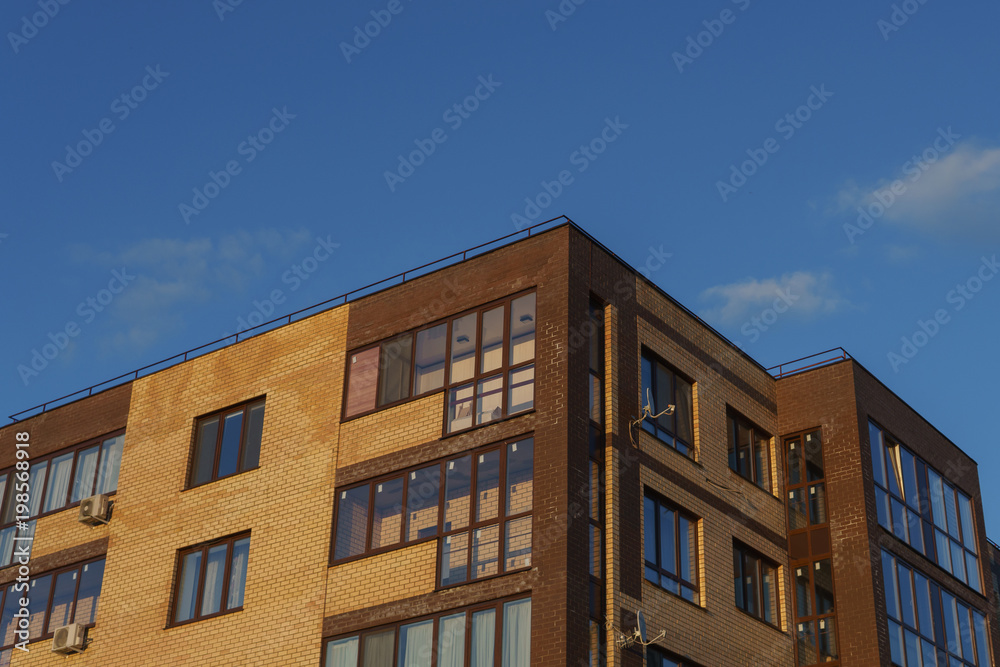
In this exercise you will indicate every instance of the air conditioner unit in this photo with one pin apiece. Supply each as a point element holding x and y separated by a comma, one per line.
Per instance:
<point>69,639</point>
<point>94,510</point>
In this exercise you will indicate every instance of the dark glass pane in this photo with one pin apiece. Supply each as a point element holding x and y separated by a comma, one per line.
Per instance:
<point>215,570</point>
<point>734,461</point>
<point>797,517</point>
<point>485,551</point>
<point>761,461</point>
<point>768,593</point>
<point>517,543</point>
<point>958,562</point>
<point>937,499</point>
<point>457,506</point>
<point>823,575</point>
<point>889,579</point>
<point>952,511</point>
<point>62,600</point>
<point>454,559</point>
<point>460,403</point>
<point>379,648</point>
<point>89,593</point>
<point>649,519</point>
<point>428,365</point>
<point>250,455</point>
<point>232,430</point>
<point>204,450</point>
<point>943,550</point>
<point>896,643</point>
<point>596,399</point>
<point>794,461</point>
<point>972,570</point>
<point>8,624</point>
<point>803,598</point>
<point>813,448</point>
<point>668,548</point>
<point>596,339</point>
<point>923,490</point>
<point>968,527</point>
<point>745,449</point>
<point>663,397</point>
<point>352,522</point>
<point>982,640</point>
<point>522,329</point>
<point>362,382</point>
<point>909,474</point>
<point>686,549</point>
<point>913,651</point>
<point>817,504</point>
<point>907,607</point>
<point>751,582</point>
<point>965,632</point>
<point>951,623</point>
<point>899,524</point>
<point>38,600</point>
<point>685,412</point>
<point>520,476</point>
<point>387,513</point>
<point>394,374</point>
<point>646,396</point>
<point>489,399</point>
<point>488,485</point>
<point>59,478</point>
<point>806,643</point>
<point>422,493</point>
<point>83,478</point>
<point>882,505</point>
<point>738,580</point>
<point>878,460</point>
<point>463,348</point>
<point>921,594</point>
<point>491,355</point>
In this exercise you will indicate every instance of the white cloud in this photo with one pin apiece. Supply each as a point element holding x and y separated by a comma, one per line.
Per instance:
<point>901,254</point>
<point>801,292</point>
<point>956,195</point>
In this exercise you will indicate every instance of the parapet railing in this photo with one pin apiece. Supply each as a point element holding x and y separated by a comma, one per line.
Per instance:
<point>831,356</point>
<point>232,339</point>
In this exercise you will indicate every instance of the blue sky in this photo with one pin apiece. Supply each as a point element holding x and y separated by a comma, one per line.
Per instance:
<point>168,166</point>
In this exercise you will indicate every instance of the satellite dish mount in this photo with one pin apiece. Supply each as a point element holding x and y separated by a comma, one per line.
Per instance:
<point>639,635</point>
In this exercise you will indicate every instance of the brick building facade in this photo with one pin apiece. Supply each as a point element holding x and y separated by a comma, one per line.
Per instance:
<point>456,471</point>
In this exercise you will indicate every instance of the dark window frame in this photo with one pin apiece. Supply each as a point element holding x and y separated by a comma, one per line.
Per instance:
<point>468,610</point>
<point>46,634</point>
<point>647,354</point>
<point>741,551</point>
<point>658,502</point>
<point>500,520</point>
<point>736,420</point>
<point>504,371</point>
<point>664,654</point>
<point>12,471</point>
<point>229,540</point>
<point>221,415</point>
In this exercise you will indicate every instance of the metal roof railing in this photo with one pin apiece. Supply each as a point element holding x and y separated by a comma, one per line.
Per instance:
<point>831,356</point>
<point>232,339</point>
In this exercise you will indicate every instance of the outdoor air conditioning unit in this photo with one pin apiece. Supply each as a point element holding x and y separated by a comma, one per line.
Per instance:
<point>94,510</point>
<point>69,639</point>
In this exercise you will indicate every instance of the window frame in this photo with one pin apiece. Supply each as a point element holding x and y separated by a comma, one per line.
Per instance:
<point>664,654</point>
<point>54,574</point>
<point>737,420</point>
<point>496,605</point>
<point>504,371</point>
<point>501,519</point>
<point>245,407</point>
<point>682,583</point>
<point>204,547</point>
<point>743,551</point>
<point>647,354</point>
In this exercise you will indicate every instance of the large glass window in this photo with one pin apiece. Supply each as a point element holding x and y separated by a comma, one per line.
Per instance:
<point>227,443</point>
<point>756,584</point>
<point>670,544</point>
<point>662,386</point>
<point>927,623</point>
<point>498,635</point>
<point>920,507</point>
<point>749,451</point>
<point>58,598</point>
<point>657,657</point>
<point>211,579</point>
<point>484,359</point>
<point>485,529</point>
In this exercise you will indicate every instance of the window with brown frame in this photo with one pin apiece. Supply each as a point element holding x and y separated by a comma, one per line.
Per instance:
<point>756,582</point>
<point>480,501</point>
<point>670,544</point>
<point>663,386</point>
<point>749,451</point>
<point>657,657</point>
<point>211,579</point>
<point>227,443</point>
<point>57,598</point>
<point>56,481</point>
<point>491,635</point>
<point>483,358</point>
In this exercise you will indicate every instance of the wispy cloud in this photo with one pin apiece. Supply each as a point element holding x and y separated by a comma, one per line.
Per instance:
<point>175,275</point>
<point>802,292</point>
<point>958,195</point>
<point>901,254</point>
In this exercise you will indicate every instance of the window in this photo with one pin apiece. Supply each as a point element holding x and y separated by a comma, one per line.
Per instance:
<point>662,386</point>
<point>483,500</point>
<point>54,482</point>
<point>921,508</point>
<point>657,657</point>
<point>927,622</point>
<point>749,451</point>
<point>756,584</point>
<point>670,544</point>
<point>211,579</point>
<point>495,635</point>
<point>227,443</point>
<point>597,653</point>
<point>69,595</point>
<point>484,359</point>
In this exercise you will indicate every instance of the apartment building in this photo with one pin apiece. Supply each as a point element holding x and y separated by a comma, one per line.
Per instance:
<point>500,461</point>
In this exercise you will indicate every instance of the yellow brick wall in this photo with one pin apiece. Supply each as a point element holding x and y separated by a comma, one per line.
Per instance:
<point>394,575</point>
<point>287,504</point>
<point>407,425</point>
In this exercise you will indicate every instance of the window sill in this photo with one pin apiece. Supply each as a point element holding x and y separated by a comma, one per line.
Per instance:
<point>678,596</point>
<point>761,621</point>
<point>666,445</point>
<point>203,618</point>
